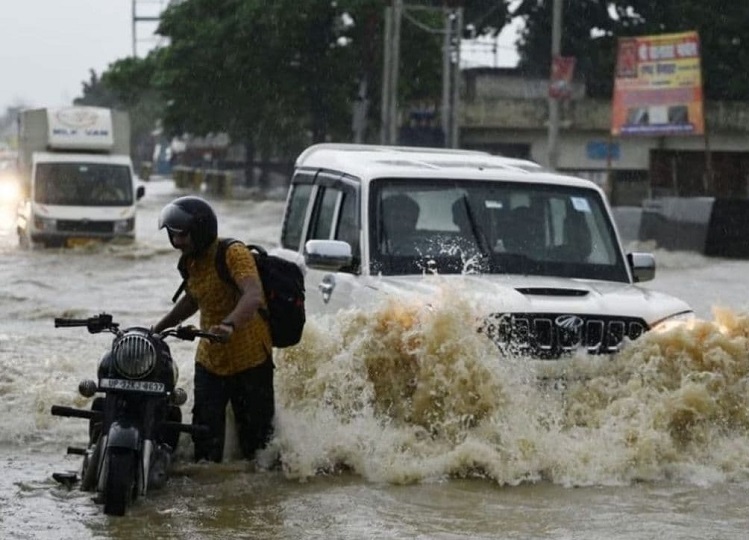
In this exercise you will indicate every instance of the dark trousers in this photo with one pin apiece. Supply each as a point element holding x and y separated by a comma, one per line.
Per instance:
<point>252,399</point>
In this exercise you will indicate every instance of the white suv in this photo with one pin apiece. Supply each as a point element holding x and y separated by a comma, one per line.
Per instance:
<point>367,221</point>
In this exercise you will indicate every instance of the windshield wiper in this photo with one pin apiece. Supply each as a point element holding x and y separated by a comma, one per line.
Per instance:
<point>477,233</point>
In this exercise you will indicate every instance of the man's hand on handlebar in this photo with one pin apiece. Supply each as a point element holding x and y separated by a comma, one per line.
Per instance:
<point>223,329</point>
<point>190,332</point>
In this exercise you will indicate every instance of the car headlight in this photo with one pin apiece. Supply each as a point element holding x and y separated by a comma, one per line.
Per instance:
<point>124,225</point>
<point>45,224</point>
<point>134,356</point>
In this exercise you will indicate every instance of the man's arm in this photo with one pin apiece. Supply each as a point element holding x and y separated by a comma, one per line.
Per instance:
<point>246,306</point>
<point>184,308</point>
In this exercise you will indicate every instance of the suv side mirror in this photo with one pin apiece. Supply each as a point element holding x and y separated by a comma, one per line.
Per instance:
<point>139,192</point>
<point>327,254</point>
<point>642,265</point>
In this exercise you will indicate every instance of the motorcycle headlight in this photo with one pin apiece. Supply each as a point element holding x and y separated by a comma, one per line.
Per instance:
<point>134,356</point>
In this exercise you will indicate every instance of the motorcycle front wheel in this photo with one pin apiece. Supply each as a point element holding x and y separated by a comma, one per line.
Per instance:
<point>120,486</point>
<point>90,468</point>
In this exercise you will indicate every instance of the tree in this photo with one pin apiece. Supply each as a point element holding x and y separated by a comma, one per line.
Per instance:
<point>128,84</point>
<point>277,71</point>
<point>276,75</point>
<point>591,29</point>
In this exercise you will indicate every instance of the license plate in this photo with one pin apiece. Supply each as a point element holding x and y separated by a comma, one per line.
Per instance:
<point>132,386</point>
<point>79,242</point>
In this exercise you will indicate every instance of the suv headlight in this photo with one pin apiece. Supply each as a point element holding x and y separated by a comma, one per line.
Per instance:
<point>134,356</point>
<point>664,325</point>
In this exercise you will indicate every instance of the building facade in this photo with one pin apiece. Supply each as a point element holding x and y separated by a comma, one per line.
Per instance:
<point>505,113</point>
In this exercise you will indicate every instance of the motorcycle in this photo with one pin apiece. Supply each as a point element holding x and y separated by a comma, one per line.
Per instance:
<point>136,421</point>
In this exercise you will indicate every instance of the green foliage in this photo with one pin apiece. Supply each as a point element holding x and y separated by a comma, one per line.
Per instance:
<point>279,75</point>
<point>96,94</point>
<point>128,84</point>
<point>282,74</point>
<point>589,33</point>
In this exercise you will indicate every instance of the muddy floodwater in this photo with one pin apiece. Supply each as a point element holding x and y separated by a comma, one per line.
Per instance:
<point>397,422</point>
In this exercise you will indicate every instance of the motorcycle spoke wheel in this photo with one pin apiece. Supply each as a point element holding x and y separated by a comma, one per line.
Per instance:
<point>120,487</point>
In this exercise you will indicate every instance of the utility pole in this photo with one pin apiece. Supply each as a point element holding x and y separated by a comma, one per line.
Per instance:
<point>137,18</point>
<point>556,47</point>
<point>387,60</point>
<point>451,75</point>
<point>446,112</point>
<point>457,19</point>
<point>395,63</point>
<point>390,64</point>
<point>451,33</point>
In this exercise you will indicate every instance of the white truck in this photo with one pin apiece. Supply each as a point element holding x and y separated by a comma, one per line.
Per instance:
<point>541,249</point>
<point>77,176</point>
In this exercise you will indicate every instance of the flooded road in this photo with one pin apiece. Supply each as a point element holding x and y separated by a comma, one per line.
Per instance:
<point>398,423</point>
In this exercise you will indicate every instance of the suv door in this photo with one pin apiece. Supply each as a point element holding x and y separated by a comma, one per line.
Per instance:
<point>334,215</point>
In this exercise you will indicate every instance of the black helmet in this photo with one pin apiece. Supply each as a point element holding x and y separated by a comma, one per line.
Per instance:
<point>191,215</point>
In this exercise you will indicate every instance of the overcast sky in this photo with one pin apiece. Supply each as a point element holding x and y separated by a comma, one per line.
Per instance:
<point>48,47</point>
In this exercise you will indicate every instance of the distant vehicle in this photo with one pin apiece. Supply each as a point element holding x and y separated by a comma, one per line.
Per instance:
<point>76,175</point>
<point>540,249</point>
<point>10,189</point>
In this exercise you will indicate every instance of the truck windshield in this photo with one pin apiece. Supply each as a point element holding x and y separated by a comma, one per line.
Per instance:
<point>83,184</point>
<point>449,226</point>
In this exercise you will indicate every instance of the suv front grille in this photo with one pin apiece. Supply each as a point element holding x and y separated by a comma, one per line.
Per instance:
<point>85,226</point>
<point>549,336</point>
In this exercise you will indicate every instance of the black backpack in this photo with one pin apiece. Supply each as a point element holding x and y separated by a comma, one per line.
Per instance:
<point>283,284</point>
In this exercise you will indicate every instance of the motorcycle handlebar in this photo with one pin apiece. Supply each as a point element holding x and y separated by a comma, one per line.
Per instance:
<point>61,322</point>
<point>104,321</point>
<point>96,324</point>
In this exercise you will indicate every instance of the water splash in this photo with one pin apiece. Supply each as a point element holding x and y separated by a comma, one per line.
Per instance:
<point>411,392</point>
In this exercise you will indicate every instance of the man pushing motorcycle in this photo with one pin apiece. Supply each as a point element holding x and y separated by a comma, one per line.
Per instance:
<point>239,371</point>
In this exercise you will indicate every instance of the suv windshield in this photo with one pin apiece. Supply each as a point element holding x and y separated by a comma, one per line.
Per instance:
<point>83,184</point>
<point>448,227</point>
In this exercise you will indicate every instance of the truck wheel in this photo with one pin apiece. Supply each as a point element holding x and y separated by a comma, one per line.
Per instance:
<point>120,487</point>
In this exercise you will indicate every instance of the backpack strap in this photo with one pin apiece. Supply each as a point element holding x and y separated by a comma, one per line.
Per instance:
<point>223,270</point>
<point>221,267</point>
<point>182,267</point>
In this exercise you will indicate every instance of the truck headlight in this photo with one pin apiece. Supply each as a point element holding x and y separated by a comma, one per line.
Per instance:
<point>45,224</point>
<point>124,225</point>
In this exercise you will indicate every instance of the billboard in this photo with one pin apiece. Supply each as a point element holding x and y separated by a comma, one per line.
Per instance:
<point>562,70</point>
<point>658,86</point>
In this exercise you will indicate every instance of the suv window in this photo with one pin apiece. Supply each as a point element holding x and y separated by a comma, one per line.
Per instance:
<point>322,225</point>
<point>461,226</point>
<point>348,226</point>
<point>336,217</point>
<point>293,225</point>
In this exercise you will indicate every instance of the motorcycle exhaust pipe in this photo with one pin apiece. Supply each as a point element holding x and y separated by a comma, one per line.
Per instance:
<point>61,410</point>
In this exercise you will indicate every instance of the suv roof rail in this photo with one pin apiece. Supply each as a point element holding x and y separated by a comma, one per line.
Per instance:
<point>353,147</point>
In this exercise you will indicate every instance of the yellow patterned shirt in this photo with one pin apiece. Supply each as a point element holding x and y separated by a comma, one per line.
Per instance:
<point>250,344</point>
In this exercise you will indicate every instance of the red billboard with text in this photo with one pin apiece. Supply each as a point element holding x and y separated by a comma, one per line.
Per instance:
<point>562,71</point>
<point>658,86</point>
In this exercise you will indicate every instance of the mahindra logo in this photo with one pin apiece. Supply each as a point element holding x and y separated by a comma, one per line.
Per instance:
<point>569,322</point>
